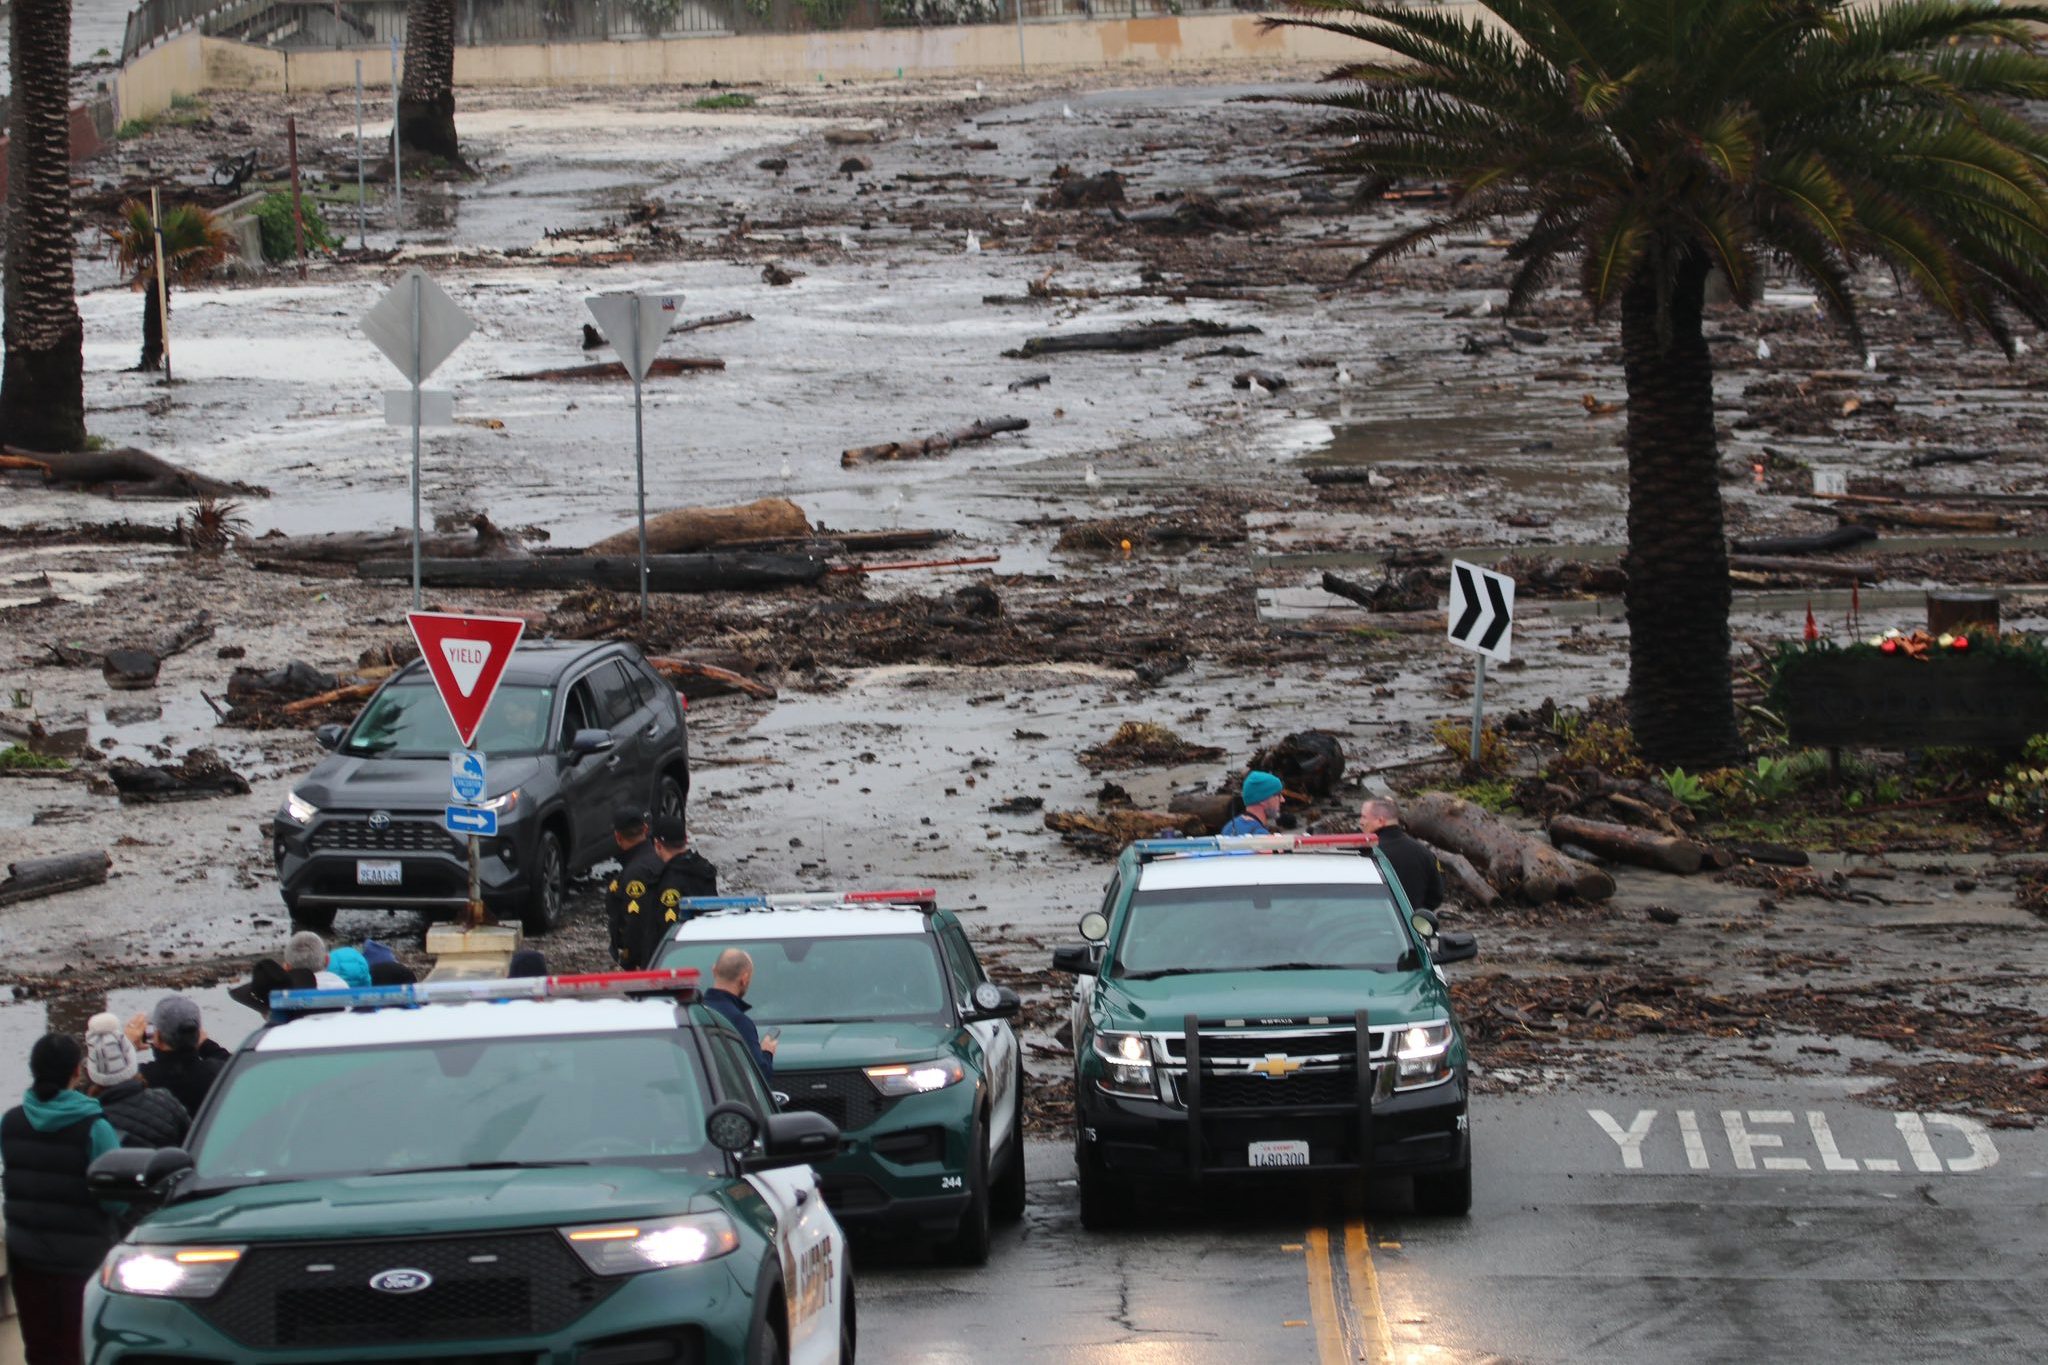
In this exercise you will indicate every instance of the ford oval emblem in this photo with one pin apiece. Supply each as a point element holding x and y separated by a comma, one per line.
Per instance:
<point>400,1281</point>
<point>380,819</point>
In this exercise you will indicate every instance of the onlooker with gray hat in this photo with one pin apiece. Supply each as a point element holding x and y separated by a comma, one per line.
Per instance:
<point>1262,802</point>
<point>187,1062</point>
<point>684,873</point>
<point>143,1115</point>
<point>632,884</point>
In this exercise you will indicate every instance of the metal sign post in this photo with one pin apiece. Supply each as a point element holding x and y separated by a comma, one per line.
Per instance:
<point>397,180</point>
<point>1481,615</point>
<point>362,195</point>
<point>417,281</point>
<point>635,324</point>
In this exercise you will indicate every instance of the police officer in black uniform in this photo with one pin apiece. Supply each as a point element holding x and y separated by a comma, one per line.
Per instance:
<point>684,873</point>
<point>632,884</point>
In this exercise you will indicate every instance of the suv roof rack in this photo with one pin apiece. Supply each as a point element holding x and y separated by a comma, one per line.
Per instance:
<point>1237,845</point>
<point>671,981</point>
<point>922,898</point>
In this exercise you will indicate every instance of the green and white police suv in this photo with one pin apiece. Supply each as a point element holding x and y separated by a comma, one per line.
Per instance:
<point>889,1028</point>
<point>1258,1004</point>
<point>549,1171</point>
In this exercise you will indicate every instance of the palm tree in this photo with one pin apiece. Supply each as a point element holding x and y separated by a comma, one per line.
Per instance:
<point>1647,145</point>
<point>193,245</point>
<point>426,97</point>
<point>42,390</point>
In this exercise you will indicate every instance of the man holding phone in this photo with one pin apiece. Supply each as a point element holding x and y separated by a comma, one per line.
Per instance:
<point>731,974</point>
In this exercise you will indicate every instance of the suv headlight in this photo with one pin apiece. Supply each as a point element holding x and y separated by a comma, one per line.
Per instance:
<point>1422,1055</point>
<point>169,1272</point>
<point>1126,1064</point>
<point>653,1244</point>
<point>299,810</point>
<point>917,1078</point>
<point>501,803</point>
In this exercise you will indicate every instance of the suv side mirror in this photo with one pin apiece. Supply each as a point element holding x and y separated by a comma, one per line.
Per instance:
<point>329,735</point>
<point>139,1175</point>
<point>993,1002</point>
<point>1075,958</point>
<point>1455,947</point>
<point>588,742</point>
<point>795,1139</point>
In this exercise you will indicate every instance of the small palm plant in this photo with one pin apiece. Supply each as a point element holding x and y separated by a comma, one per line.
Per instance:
<point>193,245</point>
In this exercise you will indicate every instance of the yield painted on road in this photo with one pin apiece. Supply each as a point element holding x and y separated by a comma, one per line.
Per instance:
<point>1805,1140</point>
<point>1344,1296</point>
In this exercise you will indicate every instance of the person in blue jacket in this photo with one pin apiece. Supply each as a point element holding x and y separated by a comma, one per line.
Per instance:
<point>57,1232</point>
<point>731,974</point>
<point>1262,801</point>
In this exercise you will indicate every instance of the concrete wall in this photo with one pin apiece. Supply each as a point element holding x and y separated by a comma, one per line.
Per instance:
<point>193,64</point>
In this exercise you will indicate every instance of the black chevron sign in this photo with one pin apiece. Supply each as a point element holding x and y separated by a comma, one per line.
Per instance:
<point>1482,609</point>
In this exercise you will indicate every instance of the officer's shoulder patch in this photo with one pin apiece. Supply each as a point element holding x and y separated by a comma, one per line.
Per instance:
<point>672,898</point>
<point>636,888</point>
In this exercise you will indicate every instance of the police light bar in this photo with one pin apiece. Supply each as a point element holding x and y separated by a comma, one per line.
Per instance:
<point>415,994</point>
<point>1237,844</point>
<point>925,898</point>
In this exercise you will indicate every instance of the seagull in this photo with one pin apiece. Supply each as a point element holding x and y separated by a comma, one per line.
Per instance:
<point>1259,391</point>
<point>896,509</point>
<point>1870,361</point>
<point>2019,346</point>
<point>787,472</point>
<point>1343,377</point>
<point>845,241</point>
<point>1763,349</point>
<point>973,241</point>
<point>1092,479</point>
<point>977,87</point>
<point>1066,111</point>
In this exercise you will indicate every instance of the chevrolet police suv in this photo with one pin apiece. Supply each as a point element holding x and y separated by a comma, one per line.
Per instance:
<point>1264,1004</point>
<point>553,1171</point>
<point>890,1029</point>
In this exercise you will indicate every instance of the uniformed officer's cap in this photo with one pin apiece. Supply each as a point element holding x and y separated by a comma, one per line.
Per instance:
<point>629,820</point>
<point>668,829</point>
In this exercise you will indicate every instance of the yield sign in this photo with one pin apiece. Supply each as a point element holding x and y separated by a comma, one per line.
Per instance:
<point>442,324</point>
<point>1482,610</point>
<point>636,346</point>
<point>466,656</point>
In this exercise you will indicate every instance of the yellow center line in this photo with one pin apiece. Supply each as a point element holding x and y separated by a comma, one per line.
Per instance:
<point>1322,1300</point>
<point>1365,1294</point>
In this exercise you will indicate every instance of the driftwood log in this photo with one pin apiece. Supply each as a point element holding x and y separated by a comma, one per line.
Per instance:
<point>663,366</point>
<point>1516,864</point>
<point>486,541</point>
<point>719,320</point>
<point>665,573</point>
<point>1927,459</point>
<point>1641,848</point>
<point>729,681</point>
<point>123,473</point>
<point>201,773</point>
<point>1827,542</point>
<point>1458,870</point>
<point>1815,568</point>
<point>696,528</point>
<point>1146,336</point>
<point>1923,518</point>
<point>33,877</point>
<point>917,448</point>
<point>353,692</point>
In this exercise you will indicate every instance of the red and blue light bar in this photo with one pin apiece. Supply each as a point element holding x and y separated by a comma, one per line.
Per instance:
<point>925,898</point>
<point>1235,845</point>
<point>414,994</point>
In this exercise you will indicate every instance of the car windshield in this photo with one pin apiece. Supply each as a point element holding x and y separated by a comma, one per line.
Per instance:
<point>1245,928</point>
<point>526,1101</point>
<point>831,979</point>
<point>409,721</point>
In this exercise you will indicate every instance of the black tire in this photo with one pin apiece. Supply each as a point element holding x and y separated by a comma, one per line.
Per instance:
<point>317,918</point>
<point>968,1245</point>
<point>849,1325</point>
<point>550,890</point>
<point>768,1346</point>
<point>670,796</point>
<point>1447,1195</point>
<point>1007,1198</point>
<point>1104,1203</point>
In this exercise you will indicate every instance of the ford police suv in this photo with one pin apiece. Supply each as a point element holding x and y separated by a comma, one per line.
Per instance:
<point>1260,1004</point>
<point>553,1171</point>
<point>890,1029</point>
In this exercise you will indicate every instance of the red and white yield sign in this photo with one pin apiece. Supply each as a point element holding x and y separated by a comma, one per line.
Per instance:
<point>466,656</point>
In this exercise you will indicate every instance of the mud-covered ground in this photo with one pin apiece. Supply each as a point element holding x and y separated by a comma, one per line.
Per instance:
<point>921,713</point>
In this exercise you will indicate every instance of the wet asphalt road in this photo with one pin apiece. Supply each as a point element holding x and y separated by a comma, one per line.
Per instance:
<point>1736,1225</point>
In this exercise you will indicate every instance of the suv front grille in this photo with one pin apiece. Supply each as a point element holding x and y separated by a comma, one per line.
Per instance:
<point>1228,1091</point>
<point>298,1295</point>
<point>1254,1044</point>
<point>1323,1071</point>
<point>848,1098</point>
<point>351,835</point>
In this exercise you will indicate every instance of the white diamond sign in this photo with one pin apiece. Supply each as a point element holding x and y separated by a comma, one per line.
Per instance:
<point>636,345</point>
<point>442,325</point>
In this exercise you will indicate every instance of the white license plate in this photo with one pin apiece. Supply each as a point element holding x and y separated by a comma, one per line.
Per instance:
<point>379,871</point>
<point>1279,1154</point>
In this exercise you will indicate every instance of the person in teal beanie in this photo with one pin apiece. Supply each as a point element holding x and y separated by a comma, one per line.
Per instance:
<point>57,1232</point>
<point>1262,801</point>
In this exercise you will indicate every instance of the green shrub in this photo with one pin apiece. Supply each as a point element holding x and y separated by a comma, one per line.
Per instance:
<point>274,217</point>
<point>1772,779</point>
<point>1456,737</point>
<point>16,757</point>
<point>1610,748</point>
<point>1685,787</point>
<point>1496,796</point>
<point>732,99</point>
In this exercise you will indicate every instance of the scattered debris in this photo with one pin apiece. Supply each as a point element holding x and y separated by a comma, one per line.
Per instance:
<point>200,774</point>
<point>914,448</point>
<point>36,877</point>
<point>1145,336</point>
<point>1141,744</point>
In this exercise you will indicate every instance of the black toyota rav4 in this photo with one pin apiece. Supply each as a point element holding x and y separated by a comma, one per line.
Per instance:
<point>577,731</point>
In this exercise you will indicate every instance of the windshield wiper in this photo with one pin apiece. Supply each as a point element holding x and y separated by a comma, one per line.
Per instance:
<point>1299,967</point>
<point>1158,972</point>
<point>477,1166</point>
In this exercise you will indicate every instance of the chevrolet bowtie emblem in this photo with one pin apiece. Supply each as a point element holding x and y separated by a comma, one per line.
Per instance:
<point>1275,1066</point>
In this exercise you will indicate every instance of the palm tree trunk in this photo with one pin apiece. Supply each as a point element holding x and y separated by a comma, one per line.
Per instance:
<point>152,328</point>
<point>42,389</point>
<point>426,97</point>
<point>1681,701</point>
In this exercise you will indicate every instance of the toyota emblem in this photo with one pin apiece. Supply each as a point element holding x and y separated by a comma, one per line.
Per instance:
<point>400,1281</point>
<point>380,819</point>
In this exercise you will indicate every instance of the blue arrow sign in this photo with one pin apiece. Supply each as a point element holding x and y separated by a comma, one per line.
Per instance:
<point>470,820</point>
<point>466,773</point>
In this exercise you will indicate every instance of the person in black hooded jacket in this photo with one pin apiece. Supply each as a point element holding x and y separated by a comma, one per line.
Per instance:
<point>185,1061</point>
<point>143,1115</point>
